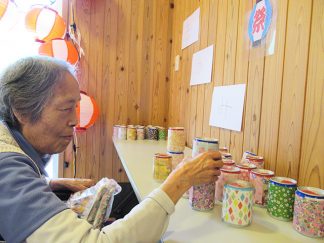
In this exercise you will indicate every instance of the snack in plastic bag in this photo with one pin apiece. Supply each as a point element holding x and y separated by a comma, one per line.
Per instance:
<point>94,204</point>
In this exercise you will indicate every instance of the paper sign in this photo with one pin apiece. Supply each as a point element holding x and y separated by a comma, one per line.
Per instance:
<point>202,66</point>
<point>190,30</point>
<point>227,107</point>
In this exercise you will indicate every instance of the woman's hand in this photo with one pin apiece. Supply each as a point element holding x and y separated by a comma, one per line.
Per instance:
<point>204,168</point>
<point>71,184</point>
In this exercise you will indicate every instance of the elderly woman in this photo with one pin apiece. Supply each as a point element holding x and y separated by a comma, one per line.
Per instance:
<point>38,98</point>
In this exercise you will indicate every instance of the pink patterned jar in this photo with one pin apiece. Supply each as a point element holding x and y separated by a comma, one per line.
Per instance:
<point>201,197</point>
<point>260,180</point>
<point>227,174</point>
<point>246,169</point>
<point>115,131</point>
<point>177,157</point>
<point>122,132</point>
<point>309,212</point>
<point>258,161</point>
<point>228,163</point>
<point>176,139</point>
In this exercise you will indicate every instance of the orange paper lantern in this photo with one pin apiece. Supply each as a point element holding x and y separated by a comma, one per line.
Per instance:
<point>59,48</point>
<point>3,7</point>
<point>87,112</point>
<point>46,23</point>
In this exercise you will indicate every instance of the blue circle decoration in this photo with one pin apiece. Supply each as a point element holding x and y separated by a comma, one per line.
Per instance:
<point>267,20</point>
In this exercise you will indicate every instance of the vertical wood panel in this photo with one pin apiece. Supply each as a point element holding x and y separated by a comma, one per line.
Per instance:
<point>219,52</point>
<point>271,99</point>
<point>293,91</point>
<point>212,30</point>
<point>241,70</point>
<point>312,154</point>
<point>230,55</point>
<point>204,13</point>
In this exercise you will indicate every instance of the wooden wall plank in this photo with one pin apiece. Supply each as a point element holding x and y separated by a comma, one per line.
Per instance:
<point>311,168</point>
<point>212,30</point>
<point>108,89</point>
<point>230,56</point>
<point>204,13</point>
<point>241,70</point>
<point>271,99</point>
<point>193,90</point>
<point>293,90</point>
<point>219,52</point>
<point>160,79</point>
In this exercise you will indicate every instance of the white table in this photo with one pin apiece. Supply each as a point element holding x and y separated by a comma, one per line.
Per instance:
<point>187,225</point>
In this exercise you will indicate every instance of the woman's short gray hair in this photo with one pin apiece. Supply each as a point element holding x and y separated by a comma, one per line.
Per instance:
<point>27,85</point>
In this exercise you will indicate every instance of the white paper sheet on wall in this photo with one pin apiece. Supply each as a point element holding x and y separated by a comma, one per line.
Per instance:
<point>202,66</point>
<point>190,29</point>
<point>227,107</point>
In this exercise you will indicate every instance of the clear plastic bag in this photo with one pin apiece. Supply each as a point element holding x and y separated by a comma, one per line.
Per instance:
<point>95,203</point>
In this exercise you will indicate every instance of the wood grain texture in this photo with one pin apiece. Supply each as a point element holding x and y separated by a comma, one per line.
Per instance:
<point>293,89</point>
<point>311,168</point>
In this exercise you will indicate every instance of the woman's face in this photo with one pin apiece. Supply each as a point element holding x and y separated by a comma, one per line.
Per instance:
<point>54,130</point>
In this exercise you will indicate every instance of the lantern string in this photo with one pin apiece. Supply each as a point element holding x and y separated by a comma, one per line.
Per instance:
<point>75,147</point>
<point>74,32</point>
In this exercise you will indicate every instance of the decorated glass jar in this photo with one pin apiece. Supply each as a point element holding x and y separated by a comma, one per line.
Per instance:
<point>176,139</point>
<point>162,166</point>
<point>227,174</point>
<point>260,179</point>
<point>245,169</point>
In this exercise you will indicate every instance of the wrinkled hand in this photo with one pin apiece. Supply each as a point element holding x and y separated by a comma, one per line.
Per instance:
<point>204,168</point>
<point>71,184</point>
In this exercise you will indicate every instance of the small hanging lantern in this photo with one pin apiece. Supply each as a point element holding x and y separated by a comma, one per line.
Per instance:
<point>3,7</point>
<point>87,112</point>
<point>46,23</point>
<point>60,48</point>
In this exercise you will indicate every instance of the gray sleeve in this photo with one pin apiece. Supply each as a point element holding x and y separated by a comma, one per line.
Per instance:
<point>26,200</point>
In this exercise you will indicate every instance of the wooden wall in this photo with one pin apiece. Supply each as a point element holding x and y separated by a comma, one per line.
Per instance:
<point>284,104</point>
<point>130,50</point>
<point>127,47</point>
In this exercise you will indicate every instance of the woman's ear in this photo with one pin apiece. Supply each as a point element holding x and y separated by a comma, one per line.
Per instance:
<point>21,119</point>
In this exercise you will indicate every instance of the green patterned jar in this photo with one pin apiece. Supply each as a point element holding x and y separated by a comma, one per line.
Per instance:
<point>281,197</point>
<point>162,133</point>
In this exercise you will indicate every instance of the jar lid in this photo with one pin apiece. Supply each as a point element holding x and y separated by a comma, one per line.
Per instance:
<point>246,166</point>
<point>176,128</point>
<point>255,158</point>
<point>311,192</point>
<point>231,170</point>
<point>284,181</point>
<point>160,155</point>
<point>206,140</point>
<point>263,172</point>
<point>228,162</point>
<point>239,184</point>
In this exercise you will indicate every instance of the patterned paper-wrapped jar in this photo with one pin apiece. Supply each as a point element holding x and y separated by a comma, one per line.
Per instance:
<point>200,145</point>
<point>246,169</point>
<point>281,197</point>
<point>201,197</point>
<point>153,133</point>
<point>115,131</point>
<point>140,132</point>
<point>227,174</point>
<point>237,203</point>
<point>228,163</point>
<point>176,139</point>
<point>309,212</point>
<point>260,179</point>
<point>258,161</point>
<point>162,133</point>
<point>177,157</point>
<point>122,131</point>
<point>131,132</point>
<point>162,166</point>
